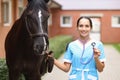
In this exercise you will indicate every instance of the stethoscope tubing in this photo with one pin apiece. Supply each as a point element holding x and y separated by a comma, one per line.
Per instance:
<point>84,63</point>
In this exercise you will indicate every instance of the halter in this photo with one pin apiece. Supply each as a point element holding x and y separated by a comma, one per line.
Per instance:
<point>42,34</point>
<point>45,43</point>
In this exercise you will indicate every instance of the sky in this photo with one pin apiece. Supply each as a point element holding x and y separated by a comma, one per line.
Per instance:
<point>89,4</point>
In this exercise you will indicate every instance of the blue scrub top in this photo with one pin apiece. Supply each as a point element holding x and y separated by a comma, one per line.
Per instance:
<point>83,64</point>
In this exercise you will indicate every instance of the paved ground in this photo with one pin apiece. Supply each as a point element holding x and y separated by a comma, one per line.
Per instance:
<point>111,71</point>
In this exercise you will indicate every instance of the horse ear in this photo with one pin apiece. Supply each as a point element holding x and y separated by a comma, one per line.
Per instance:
<point>46,1</point>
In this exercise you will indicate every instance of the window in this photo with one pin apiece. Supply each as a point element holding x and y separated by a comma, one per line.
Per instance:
<point>6,12</point>
<point>20,7</point>
<point>0,13</point>
<point>116,21</point>
<point>95,24</point>
<point>50,20</point>
<point>66,21</point>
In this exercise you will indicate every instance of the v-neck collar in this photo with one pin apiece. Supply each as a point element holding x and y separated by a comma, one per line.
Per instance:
<point>80,44</point>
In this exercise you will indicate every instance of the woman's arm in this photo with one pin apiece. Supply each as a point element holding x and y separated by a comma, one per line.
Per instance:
<point>63,66</point>
<point>99,65</point>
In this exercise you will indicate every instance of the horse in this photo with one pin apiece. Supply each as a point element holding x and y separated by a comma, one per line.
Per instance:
<point>27,43</point>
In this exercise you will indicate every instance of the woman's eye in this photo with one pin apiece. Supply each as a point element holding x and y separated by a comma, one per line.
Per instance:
<point>80,25</point>
<point>87,25</point>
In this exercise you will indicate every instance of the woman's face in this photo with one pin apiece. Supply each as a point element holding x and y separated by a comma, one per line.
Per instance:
<point>84,28</point>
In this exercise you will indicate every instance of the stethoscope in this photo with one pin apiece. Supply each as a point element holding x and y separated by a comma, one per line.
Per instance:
<point>84,63</point>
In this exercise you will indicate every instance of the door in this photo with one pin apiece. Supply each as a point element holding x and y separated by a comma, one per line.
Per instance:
<point>95,33</point>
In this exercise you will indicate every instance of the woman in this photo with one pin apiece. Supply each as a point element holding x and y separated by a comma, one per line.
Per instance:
<point>84,56</point>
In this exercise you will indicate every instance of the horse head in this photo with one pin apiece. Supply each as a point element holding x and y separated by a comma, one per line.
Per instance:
<point>36,25</point>
<point>36,18</point>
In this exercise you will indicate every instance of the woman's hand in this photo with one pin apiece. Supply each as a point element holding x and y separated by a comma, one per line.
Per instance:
<point>99,65</point>
<point>96,52</point>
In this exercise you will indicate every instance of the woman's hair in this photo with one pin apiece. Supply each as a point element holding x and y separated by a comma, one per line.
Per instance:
<point>85,18</point>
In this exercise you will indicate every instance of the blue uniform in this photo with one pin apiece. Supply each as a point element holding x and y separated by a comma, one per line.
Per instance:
<point>82,62</point>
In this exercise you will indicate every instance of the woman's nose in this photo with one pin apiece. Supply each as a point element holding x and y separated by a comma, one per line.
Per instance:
<point>84,28</point>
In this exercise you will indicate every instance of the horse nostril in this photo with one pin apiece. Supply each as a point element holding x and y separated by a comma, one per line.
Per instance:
<point>38,48</point>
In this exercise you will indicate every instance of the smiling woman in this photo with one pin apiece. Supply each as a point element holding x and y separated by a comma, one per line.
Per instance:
<point>85,55</point>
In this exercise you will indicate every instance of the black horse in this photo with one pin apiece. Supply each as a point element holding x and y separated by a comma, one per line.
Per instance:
<point>27,42</point>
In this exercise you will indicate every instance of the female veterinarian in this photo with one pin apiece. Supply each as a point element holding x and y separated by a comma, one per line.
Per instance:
<point>85,56</point>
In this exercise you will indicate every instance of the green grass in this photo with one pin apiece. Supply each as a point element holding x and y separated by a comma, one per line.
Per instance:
<point>58,44</point>
<point>117,47</point>
<point>3,70</point>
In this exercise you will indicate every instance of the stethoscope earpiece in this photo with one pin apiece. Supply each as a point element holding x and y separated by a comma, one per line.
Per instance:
<point>93,44</point>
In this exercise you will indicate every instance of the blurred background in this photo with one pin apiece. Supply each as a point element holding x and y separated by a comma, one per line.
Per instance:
<point>105,15</point>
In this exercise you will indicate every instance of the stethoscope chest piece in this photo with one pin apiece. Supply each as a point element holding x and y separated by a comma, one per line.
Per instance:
<point>93,44</point>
